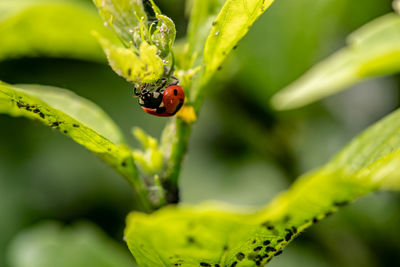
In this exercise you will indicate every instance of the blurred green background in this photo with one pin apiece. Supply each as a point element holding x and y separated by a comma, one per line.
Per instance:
<point>241,150</point>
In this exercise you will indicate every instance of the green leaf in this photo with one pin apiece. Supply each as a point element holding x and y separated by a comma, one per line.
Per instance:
<point>80,245</point>
<point>77,107</point>
<point>202,16</point>
<point>231,24</point>
<point>124,17</point>
<point>147,67</point>
<point>73,116</point>
<point>49,28</point>
<point>164,35</point>
<point>212,234</point>
<point>373,50</point>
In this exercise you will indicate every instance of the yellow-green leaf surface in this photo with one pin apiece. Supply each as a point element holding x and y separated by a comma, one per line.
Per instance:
<point>214,235</point>
<point>147,67</point>
<point>123,16</point>
<point>51,244</point>
<point>71,115</point>
<point>373,50</point>
<point>231,24</point>
<point>49,28</point>
<point>164,35</point>
<point>202,16</point>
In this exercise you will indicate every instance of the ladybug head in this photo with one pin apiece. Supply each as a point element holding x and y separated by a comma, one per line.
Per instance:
<point>150,99</point>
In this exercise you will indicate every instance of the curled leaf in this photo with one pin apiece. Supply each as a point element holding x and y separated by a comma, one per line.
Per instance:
<point>145,67</point>
<point>164,35</point>
<point>123,17</point>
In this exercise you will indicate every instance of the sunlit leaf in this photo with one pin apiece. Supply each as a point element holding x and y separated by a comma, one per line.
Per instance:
<point>123,16</point>
<point>49,28</point>
<point>147,67</point>
<point>71,115</point>
<point>164,35</point>
<point>202,15</point>
<point>231,24</point>
<point>373,50</point>
<point>52,245</point>
<point>214,235</point>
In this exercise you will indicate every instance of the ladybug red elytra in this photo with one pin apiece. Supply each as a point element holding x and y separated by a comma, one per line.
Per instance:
<point>163,102</point>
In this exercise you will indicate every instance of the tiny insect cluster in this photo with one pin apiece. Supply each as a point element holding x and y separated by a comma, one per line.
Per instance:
<point>164,98</point>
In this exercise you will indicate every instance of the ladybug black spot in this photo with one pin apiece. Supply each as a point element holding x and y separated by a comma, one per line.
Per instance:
<point>175,92</point>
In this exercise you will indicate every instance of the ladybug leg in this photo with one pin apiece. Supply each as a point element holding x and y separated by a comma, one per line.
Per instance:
<point>162,85</point>
<point>174,81</point>
<point>136,92</point>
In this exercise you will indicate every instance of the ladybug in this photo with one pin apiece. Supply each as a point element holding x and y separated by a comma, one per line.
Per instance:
<point>163,102</point>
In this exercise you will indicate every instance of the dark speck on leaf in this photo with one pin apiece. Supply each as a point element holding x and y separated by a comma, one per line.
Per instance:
<point>240,256</point>
<point>55,124</point>
<point>234,264</point>
<point>286,218</point>
<point>217,265</point>
<point>288,236</point>
<point>314,220</point>
<point>252,255</point>
<point>75,125</point>
<point>279,240</point>
<point>225,247</point>
<point>36,110</point>
<point>123,164</point>
<point>190,239</point>
<point>278,253</point>
<point>205,264</point>
<point>270,249</point>
<point>65,131</point>
<point>214,23</point>
<point>41,115</point>
<point>219,68</point>
<point>329,213</point>
<point>266,242</point>
<point>257,248</point>
<point>254,241</point>
<point>294,229</point>
<point>129,72</point>
<point>341,203</point>
<point>235,47</point>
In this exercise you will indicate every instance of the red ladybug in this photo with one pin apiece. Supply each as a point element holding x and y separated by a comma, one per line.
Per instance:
<point>162,103</point>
